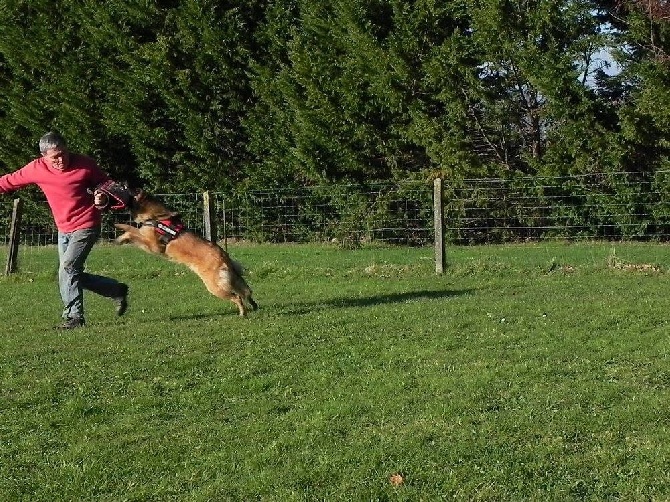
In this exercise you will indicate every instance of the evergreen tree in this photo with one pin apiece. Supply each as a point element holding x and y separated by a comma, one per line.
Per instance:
<point>531,110</point>
<point>342,86</point>
<point>645,111</point>
<point>155,91</point>
<point>193,94</point>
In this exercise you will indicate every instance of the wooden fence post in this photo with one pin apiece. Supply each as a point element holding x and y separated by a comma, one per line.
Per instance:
<point>208,217</point>
<point>14,236</point>
<point>438,214</point>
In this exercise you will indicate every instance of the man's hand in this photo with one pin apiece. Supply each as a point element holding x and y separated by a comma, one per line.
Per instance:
<point>100,199</point>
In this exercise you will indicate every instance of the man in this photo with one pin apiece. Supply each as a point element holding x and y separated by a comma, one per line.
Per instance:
<point>67,180</point>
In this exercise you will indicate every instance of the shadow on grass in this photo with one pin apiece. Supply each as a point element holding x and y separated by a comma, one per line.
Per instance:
<point>299,308</point>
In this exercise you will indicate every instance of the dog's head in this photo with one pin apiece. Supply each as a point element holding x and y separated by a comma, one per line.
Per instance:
<point>114,195</point>
<point>144,206</point>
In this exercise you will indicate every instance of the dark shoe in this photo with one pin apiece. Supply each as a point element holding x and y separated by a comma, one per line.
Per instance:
<point>72,323</point>
<point>121,302</point>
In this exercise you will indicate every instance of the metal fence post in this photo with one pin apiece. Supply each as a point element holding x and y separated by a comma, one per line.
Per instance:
<point>438,214</point>
<point>225,226</point>
<point>14,236</point>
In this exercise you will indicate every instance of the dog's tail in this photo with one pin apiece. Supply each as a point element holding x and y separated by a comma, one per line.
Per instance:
<point>237,267</point>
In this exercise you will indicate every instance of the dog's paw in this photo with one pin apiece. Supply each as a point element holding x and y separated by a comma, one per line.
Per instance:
<point>122,239</point>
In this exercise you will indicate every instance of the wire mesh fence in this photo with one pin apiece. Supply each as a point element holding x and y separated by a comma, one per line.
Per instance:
<point>604,206</point>
<point>396,214</point>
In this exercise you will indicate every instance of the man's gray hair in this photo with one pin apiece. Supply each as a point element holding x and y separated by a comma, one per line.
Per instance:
<point>51,140</point>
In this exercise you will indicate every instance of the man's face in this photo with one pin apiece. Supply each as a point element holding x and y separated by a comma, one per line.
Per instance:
<point>58,158</point>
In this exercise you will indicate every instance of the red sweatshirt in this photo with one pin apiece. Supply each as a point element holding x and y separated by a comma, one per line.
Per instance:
<point>66,191</point>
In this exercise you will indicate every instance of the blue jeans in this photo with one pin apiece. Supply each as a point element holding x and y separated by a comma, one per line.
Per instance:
<point>73,249</point>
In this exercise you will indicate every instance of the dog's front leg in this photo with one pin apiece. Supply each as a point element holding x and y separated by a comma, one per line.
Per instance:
<point>148,242</point>
<point>126,236</point>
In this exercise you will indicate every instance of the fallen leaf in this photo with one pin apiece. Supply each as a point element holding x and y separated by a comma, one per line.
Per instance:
<point>396,479</point>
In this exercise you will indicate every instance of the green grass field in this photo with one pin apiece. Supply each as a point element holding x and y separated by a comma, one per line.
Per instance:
<point>525,372</point>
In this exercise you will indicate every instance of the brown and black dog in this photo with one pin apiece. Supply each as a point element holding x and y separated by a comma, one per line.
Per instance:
<point>161,232</point>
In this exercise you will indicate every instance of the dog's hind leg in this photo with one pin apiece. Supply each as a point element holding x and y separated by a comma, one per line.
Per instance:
<point>239,285</point>
<point>226,295</point>
<point>219,285</point>
<point>240,304</point>
<point>246,296</point>
<point>242,289</point>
